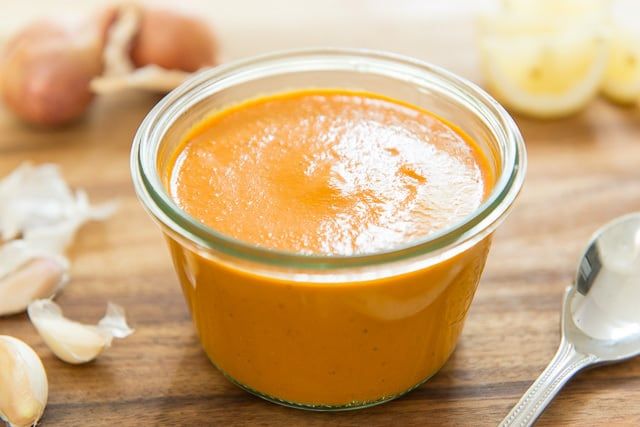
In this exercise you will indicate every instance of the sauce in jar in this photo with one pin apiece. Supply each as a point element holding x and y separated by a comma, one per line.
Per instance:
<point>328,172</point>
<point>335,173</point>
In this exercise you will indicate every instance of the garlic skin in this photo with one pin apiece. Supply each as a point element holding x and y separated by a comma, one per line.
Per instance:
<point>116,55</point>
<point>38,278</point>
<point>36,202</point>
<point>75,342</point>
<point>24,389</point>
<point>150,77</point>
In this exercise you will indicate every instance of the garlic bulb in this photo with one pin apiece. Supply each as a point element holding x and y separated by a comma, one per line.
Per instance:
<point>23,383</point>
<point>37,205</point>
<point>76,342</point>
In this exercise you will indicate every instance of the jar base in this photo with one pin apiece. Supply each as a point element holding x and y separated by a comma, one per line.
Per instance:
<point>322,408</point>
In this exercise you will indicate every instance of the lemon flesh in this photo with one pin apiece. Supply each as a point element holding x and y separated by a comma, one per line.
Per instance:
<point>622,77</point>
<point>545,75</point>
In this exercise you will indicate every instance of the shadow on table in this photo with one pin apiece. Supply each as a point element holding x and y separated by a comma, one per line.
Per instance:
<point>212,400</point>
<point>600,122</point>
<point>601,394</point>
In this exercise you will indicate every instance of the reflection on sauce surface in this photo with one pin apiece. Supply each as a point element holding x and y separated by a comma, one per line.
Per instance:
<point>328,172</point>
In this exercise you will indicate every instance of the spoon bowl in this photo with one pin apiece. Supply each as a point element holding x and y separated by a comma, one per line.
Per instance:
<point>600,321</point>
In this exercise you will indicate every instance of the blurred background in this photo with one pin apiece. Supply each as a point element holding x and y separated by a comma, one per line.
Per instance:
<point>542,58</point>
<point>248,27</point>
<point>548,64</point>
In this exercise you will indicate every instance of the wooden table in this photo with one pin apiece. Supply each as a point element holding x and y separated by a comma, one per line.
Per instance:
<point>583,171</point>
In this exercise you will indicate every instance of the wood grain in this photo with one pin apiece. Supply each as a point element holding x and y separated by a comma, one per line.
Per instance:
<point>583,171</point>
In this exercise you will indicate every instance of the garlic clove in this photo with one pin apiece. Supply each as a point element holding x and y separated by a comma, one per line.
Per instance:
<point>38,278</point>
<point>17,253</point>
<point>23,383</point>
<point>72,341</point>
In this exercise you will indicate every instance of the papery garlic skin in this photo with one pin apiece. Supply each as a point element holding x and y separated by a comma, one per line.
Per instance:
<point>116,56</point>
<point>35,201</point>
<point>38,278</point>
<point>150,77</point>
<point>75,342</point>
<point>114,322</point>
<point>24,388</point>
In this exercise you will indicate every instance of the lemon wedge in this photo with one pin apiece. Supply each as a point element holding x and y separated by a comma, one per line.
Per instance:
<point>622,77</point>
<point>545,58</point>
<point>545,75</point>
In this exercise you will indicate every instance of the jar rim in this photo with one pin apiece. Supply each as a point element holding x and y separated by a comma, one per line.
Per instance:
<point>464,233</point>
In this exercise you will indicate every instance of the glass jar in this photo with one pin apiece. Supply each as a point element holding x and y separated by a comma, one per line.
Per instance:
<point>328,332</point>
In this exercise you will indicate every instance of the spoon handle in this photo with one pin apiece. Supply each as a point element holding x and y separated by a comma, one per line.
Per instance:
<point>566,363</point>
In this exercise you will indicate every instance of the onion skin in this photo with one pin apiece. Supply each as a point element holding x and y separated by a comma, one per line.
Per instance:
<point>173,41</point>
<point>45,69</point>
<point>48,88</point>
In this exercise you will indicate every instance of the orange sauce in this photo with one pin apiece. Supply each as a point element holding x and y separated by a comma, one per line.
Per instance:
<point>329,172</point>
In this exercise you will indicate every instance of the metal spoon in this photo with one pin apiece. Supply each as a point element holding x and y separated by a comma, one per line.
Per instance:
<point>600,315</point>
